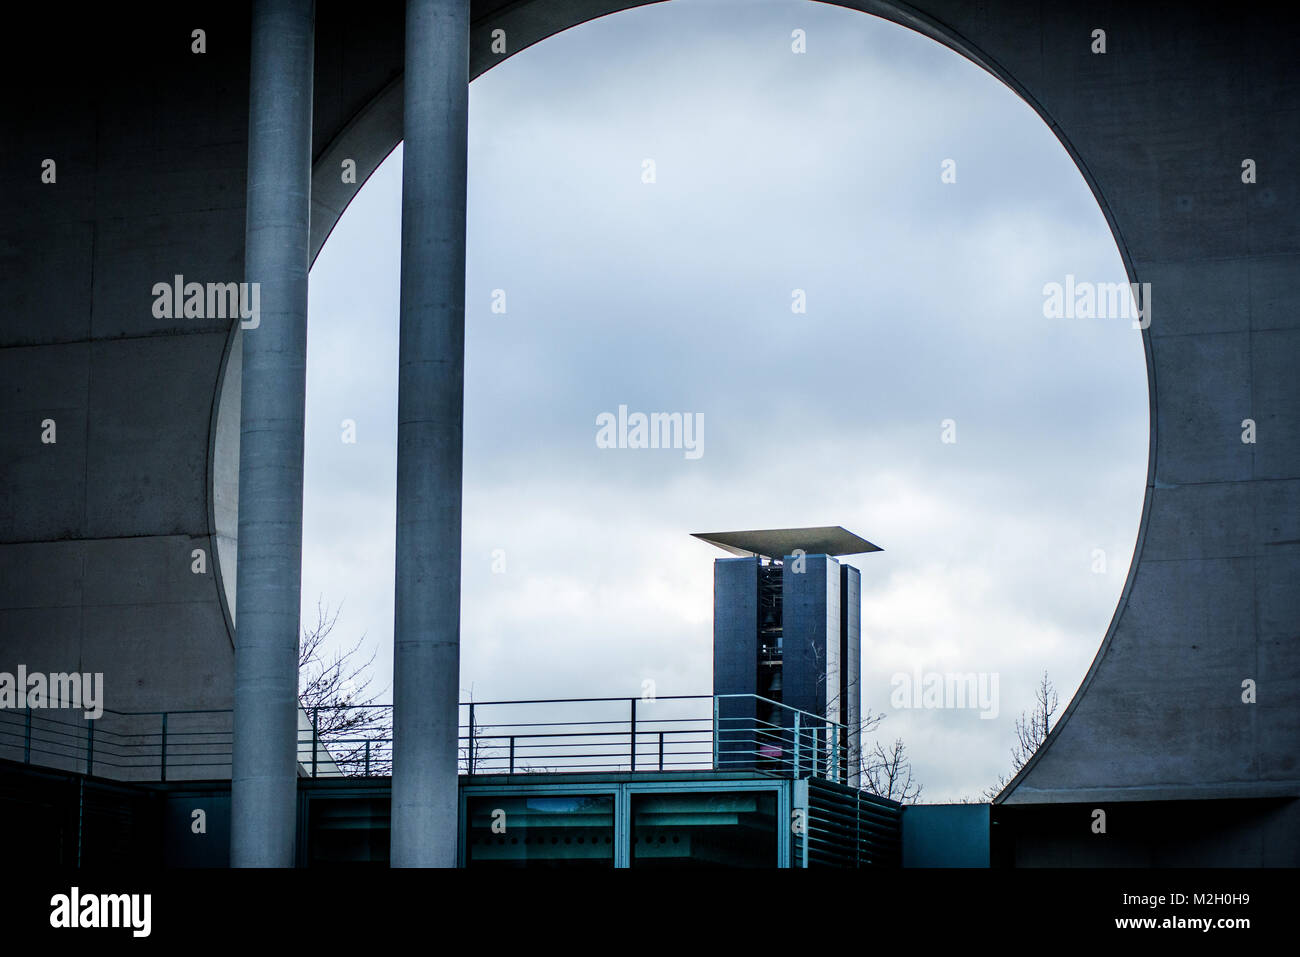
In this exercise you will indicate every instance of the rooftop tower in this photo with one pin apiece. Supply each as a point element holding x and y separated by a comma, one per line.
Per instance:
<point>786,628</point>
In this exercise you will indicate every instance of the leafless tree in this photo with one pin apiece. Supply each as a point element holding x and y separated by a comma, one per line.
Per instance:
<point>334,691</point>
<point>1032,728</point>
<point>887,772</point>
<point>868,720</point>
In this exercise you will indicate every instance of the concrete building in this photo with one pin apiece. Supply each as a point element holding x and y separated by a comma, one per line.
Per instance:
<point>787,639</point>
<point>147,146</point>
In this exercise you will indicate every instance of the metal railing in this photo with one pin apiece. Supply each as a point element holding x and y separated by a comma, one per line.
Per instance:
<point>675,733</point>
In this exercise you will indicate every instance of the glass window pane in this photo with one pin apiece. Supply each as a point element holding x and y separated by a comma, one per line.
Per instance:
<point>710,829</point>
<point>348,830</point>
<point>537,831</point>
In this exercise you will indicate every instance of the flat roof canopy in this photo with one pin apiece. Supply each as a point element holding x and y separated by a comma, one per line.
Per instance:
<point>779,542</point>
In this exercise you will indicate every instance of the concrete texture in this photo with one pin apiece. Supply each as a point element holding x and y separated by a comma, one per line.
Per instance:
<point>151,144</point>
<point>273,400</point>
<point>810,664</point>
<point>735,654</point>
<point>430,419</point>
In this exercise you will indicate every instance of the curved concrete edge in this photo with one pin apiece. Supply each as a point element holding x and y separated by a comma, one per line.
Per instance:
<point>1018,780</point>
<point>367,138</point>
<point>223,477</point>
<point>94,537</point>
<point>371,135</point>
<point>941,32</point>
<point>374,131</point>
<point>1170,792</point>
<point>527,22</point>
<point>1159,699</point>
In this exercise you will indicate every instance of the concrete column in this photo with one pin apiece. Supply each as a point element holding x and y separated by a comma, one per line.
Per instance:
<point>430,403</point>
<point>264,799</point>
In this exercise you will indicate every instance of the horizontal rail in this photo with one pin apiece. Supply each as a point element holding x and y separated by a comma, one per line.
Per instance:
<point>519,736</point>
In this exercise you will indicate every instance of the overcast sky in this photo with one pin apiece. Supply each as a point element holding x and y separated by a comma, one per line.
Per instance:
<point>775,171</point>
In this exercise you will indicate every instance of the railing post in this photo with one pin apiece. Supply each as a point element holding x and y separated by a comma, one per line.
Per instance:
<point>633,734</point>
<point>512,754</point>
<point>81,816</point>
<point>162,751</point>
<point>469,762</point>
<point>835,753</point>
<point>90,747</point>
<point>661,750</point>
<point>797,744</point>
<point>367,757</point>
<point>715,732</point>
<point>27,738</point>
<point>315,714</point>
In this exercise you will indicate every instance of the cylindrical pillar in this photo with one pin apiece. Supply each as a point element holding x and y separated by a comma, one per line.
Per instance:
<point>430,403</point>
<point>264,798</point>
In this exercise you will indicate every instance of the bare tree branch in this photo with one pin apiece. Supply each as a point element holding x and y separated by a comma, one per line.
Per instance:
<point>1032,728</point>
<point>888,773</point>
<point>355,730</point>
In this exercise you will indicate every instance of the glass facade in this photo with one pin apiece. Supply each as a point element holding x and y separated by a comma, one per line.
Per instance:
<point>709,829</point>
<point>588,823</point>
<point>347,830</point>
<point>625,825</point>
<point>540,831</point>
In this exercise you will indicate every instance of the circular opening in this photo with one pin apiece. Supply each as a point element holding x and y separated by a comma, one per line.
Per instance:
<point>837,260</point>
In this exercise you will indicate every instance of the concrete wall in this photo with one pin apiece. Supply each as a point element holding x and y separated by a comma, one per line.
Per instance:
<point>96,531</point>
<point>810,668</point>
<point>149,139</point>
<point>735,648</point>
<point>1159,125</point>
